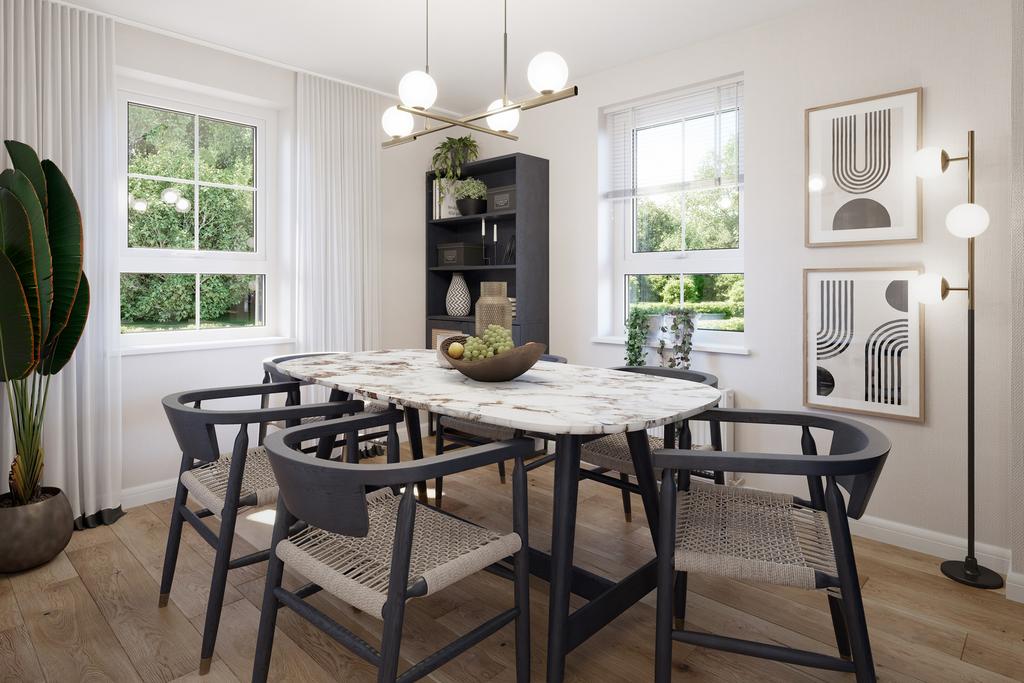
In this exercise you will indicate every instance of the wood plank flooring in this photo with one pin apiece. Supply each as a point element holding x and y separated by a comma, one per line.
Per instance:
<point>91,613</point>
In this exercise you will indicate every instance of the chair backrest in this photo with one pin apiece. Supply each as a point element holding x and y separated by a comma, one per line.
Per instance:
<point>271,373</point>
<point>551,358</point>
<point>674,373</point>
<point>195,430</point>
<point>332,494</point>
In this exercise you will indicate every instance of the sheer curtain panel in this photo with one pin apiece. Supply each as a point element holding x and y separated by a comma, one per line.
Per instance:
<point>57,93</point>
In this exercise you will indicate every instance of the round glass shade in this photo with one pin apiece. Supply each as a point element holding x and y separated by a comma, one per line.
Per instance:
<point>506,121</point>
<point>926,288</point>
<point>417,90</point>
<point>967,220</point>
<point>182,205</point>
<point>396,122</point>
<point>170,196</point>
<point>547,72</point>
<point>815,183</point>
<point>930,162</point>
<point>140,205</point>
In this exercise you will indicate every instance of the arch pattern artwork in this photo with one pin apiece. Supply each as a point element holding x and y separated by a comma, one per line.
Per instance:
<point>835,327</point>
<point>883,362</point>
<point>876,153</point>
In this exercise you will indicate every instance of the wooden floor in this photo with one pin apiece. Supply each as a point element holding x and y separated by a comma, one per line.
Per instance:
<point>91,614</point>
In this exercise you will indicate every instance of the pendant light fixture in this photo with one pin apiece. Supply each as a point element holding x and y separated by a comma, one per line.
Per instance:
<point>547,73</point>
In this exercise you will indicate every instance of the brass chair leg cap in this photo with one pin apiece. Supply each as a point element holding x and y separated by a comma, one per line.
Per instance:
<point>164,597</point>
<point>204,665</point>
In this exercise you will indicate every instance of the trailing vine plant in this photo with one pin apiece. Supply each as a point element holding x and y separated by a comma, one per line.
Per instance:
<point>680,331</point>
<point>449,157</point>
<point>637,327</point>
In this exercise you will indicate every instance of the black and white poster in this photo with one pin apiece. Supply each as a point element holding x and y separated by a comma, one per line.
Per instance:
<point>860,181</point>
<point>863,348</point>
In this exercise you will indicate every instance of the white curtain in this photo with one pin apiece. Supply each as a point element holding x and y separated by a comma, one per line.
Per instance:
<point>338,216</point>
<point>57,93</point>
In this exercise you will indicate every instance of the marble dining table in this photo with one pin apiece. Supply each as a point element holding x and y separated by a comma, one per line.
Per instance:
<point>569,404</point>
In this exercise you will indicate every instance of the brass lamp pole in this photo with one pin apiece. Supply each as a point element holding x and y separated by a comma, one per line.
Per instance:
<point>967,221</point>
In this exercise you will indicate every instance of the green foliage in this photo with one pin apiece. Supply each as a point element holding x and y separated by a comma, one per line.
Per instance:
<point>637,327</point>
<point>449,157</point>
<point>471,188</point>
<point>680,331</point>
<point>45,299</point>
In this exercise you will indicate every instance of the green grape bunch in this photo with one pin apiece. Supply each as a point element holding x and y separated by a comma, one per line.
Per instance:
<point>495,340</point>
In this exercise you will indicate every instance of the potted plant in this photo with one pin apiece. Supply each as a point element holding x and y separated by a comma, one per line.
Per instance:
<point>676,340</point>
<point>637,325</point>
<point>449,157</point>
<point>43,309</point>
<point>471,196</point>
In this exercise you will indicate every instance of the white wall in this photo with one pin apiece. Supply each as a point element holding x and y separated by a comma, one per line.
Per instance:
<point>960,53</point>
<point>151,457</point>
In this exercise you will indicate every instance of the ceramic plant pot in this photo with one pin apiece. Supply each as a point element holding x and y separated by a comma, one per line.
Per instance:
<point>471,207</point>
<point>34,534</point>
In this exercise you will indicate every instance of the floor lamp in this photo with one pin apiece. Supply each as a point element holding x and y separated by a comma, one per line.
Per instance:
<point>966,221</point>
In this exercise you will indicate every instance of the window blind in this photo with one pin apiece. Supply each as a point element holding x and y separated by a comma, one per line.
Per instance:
<point>690,140</point>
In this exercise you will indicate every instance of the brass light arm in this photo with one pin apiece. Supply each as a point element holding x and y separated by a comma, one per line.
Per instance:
<point>456,122</point>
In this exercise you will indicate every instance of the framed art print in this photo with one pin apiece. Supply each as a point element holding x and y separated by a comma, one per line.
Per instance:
<point>863,342</point>
<point>860,183</point>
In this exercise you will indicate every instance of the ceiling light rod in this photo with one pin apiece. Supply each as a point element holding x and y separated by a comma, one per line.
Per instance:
<point>532,103</point>
<point>547,74</point>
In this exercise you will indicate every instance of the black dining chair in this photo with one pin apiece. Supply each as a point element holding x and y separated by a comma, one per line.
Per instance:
<point>455,432</point>
<point>767,537</point>
<point>377,550</point>
<point>607,456</point>
<point>224,483</point>
<point>273,373</point>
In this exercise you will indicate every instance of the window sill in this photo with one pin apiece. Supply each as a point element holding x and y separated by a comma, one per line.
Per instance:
<point>179,347</point>
<point>697,346</point>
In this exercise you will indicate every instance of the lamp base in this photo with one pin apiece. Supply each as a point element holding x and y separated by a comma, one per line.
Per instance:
<point>970,573</point>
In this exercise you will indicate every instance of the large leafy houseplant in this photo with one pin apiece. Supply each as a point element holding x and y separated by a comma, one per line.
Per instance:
<point>449,157</point>
<point>44,302</point>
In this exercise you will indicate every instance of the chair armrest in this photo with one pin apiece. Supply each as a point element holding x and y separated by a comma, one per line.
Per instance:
<point>262,389</point>
<point>763,463</point>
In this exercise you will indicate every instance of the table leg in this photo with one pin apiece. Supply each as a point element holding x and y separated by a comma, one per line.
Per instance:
<point>412,429</point>
<point>640,449</point>
<point>563,536</point>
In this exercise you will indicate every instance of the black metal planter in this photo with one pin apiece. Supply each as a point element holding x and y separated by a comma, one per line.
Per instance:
<point>33,534</point>
<point>471,207</point>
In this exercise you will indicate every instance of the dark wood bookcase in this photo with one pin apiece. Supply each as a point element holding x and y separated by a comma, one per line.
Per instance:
<point>526,225</point>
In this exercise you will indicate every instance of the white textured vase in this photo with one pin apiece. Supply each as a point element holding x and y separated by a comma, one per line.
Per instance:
<point>457,302</point>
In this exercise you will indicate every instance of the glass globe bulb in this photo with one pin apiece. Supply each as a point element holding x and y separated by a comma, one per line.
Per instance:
<point>815,183</point>
<point>547,73</point>
<point>182,205</point>
<point>140,205</point>
<point>967,220</point>
<point>417,90</point>
<point>927,288</point>
<point>930,162</point>
<point>506,121</point>
<point>397,123</point>
<point>170,196</point>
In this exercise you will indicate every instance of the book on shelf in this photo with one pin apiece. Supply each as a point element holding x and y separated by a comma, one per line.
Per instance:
<point>445,209</point>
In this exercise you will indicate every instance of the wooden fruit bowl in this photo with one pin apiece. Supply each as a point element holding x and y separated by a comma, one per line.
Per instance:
<point>504,367</point>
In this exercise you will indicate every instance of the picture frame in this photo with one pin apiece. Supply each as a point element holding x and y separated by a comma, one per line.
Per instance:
<point>859,183</point>
<point>863,342</point>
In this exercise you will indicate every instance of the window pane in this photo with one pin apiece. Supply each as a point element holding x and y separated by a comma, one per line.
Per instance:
<point>160,214</point>
<point>230,300</point>
<point>160,142</point>
<point>157,301</point>
<point>653,293</point>
<point>658,223</point>
<point>729,144</point>
<point>659,155</point>
<point>226,219</point>
<point>713,219</point>
<point>716,300</point>
<point>701,163</point>
<point>226,152</point>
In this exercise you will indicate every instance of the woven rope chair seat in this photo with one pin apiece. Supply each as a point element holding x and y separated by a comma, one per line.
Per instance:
<point>445,549</point>
<point>752,535</point>
<point>209,482</point>
<point>612,453</point>
<point>479,429</point>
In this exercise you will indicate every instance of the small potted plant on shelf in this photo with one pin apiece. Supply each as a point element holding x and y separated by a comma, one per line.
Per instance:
<point>450,156</point>
<point>43,308</point>
<point>471,196</point>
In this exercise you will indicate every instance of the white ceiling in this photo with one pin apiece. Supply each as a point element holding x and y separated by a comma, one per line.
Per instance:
<point>373,42</point>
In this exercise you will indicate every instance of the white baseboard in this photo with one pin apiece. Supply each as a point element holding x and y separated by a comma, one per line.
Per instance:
<point>148,493</point>
<point>935,543</point>
<point>1015,586</point>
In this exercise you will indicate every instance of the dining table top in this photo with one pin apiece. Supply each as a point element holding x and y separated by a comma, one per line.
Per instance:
<point>550,398</point>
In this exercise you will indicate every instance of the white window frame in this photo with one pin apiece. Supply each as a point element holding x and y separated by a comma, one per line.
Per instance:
<point>258,262</point>
<point>619,228</point>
